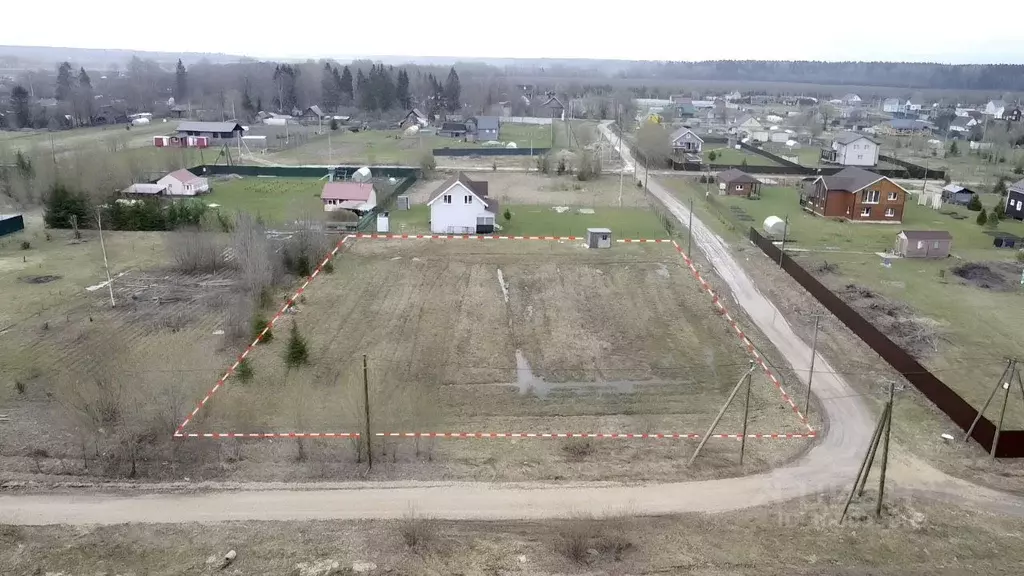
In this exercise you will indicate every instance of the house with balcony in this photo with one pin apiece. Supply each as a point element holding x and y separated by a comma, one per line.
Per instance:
<point>857,195</point>
<point>851,149</point>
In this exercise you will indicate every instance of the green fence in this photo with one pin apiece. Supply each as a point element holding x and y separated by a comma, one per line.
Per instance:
<point>302,171</point>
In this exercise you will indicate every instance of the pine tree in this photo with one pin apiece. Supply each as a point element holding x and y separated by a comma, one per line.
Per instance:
<point>83,98</point>
<point>244,370</point>
<point>402,90</point>
<point>247,106</point>
<point>982,218</point>
<point>330,96</point>
<point>974,204</point>
<point>20,106</point>
<point>259,322</point>
<point>64,83</point>
<point>346,87</point>
<point>954,150</point>
<point>364,91</point>
<point>297,353</point>
<point>452,91</point>
<point>180,83</point>
<point>385,88</point>
<point>1000,187</point>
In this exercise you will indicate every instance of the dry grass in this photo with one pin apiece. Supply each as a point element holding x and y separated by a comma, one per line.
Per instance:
<point>416,531</point>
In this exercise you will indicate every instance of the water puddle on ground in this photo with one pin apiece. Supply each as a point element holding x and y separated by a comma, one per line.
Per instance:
<point>528,383</point>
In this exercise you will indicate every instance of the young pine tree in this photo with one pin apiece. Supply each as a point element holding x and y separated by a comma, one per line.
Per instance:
<point>244,371</point>
<point>297,353</point>
<point>259,321</point>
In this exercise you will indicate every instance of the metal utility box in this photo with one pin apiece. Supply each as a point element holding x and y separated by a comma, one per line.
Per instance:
<point>402,202</point>
<point>383,222</point>
<point>599,238</point>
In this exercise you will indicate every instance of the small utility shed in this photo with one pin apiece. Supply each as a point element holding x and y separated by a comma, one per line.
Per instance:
<point>923,243</point>
<point>957,194</point>
<point>487,128</point>
<point>733,182</point>
<point>599,238</point>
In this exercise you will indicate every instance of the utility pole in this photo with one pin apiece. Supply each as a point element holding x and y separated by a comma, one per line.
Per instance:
<point>746,412</point>
<point>1010,365</point>
<point>882,428</point>
<point>106,266</point>
<point>689,232</point>
<point>714,423</point>
<point>785,231</point>
<point>885,451</point>
<point>366,412</point>
<point>810,373</point>
<point>1002,411</point>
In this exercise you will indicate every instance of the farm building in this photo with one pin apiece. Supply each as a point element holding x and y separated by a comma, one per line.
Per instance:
<point>995,108</point>
<point>1015,200</point>
<point>957,194</point>
<point>183,183</point>
<point>850,99</point>
<point>453,130</point>
<point>686,141</point>
<point>486,128</point>
<point>852,149</point>
<point>212,130</point>
<point>962,124</point>
<point>857,195</point>
<point>554,108</point>
<point>892,105</point>
<point>312,115</point>
<point>904,126</point>
<point>414,118</point>
<point>748,123</point>
<point>461,206</point>
<point>355,196</point>
<point>735,182</point>
<point>143,189</point>
<point>923,243</point>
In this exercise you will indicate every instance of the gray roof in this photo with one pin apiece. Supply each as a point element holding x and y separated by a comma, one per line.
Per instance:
<point>851,137</point>
<point>891,101</point>
<point>208,126</point>
<point>998,103</point>
<point>315,110</point>
<point>850,179</point>
<point>1018,186</point>
<point>927,235</point>
<point>916,100</point>
<point>683,130</point>
<point>478,187</point>
<point>960,121</point>
<point>954,188</point>
<point>734,175</point>
<point>907,124</point>
<point>486,122</point>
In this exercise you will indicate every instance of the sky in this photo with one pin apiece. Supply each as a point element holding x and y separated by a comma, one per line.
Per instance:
<point>741,29</point>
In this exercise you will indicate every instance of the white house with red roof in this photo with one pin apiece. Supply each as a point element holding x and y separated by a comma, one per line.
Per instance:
<point>355,196</point>
<point>183,183</point>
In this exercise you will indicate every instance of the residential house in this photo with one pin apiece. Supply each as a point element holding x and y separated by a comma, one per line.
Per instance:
<point>857,195</point>
<point>415,118</point>
<point>144,190</point>
<point>923,244</point>
<point>1015,200</point>
<point>733,182</point>
<point>852,149</point>
<point>995,108</point>
<point>461,206</point>
<point>686,141</point>
<point>957,194</point>
<point>359,197</point>
<point>914,104</point>
<point>554,108</point>
<point>733,96</point>
<point>684,108</point>
<point>212,130</point>
<point>850,99</point>
<point>962,124</point>
<point>312,115</point>
<point>748,123</point>
<point>904,126</point>
<point>453,130</point>
<point>487,128</point>
<point>183,183</point>
<point>505,109</point>
<point>892,106</point>
<point>1012,114</point>
<point>962,111</point>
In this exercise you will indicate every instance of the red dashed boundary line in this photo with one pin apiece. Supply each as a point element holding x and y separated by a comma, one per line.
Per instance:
<point>746,341</point>
<point>179,432</point>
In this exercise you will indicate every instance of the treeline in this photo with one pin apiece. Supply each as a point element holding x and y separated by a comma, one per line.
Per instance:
<point>911,75</point>
<point>69,208</point>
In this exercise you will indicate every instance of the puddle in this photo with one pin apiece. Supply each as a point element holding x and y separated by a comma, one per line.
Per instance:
<point>527,382</point>
<point>662,270</point>
<point>45,279</point>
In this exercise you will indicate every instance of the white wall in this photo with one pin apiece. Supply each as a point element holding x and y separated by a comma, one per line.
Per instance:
<point>457,217</point>
<point>176,188</point>
<point>859,153</point>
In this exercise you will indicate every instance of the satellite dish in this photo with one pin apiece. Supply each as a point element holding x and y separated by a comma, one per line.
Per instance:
<point>362,175</point>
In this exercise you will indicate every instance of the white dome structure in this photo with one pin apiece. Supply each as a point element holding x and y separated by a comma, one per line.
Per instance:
<point>362,175</point>
<point>411,130</point>
<point>774,227</point>
<point>511,145</point>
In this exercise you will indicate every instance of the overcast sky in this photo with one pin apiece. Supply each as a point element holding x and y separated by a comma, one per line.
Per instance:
<point>744,29</point>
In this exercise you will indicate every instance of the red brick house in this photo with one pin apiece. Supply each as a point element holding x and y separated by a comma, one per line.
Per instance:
<point>733,182</point>
<point>857,195</point>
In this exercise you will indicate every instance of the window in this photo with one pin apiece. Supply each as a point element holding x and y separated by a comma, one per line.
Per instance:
<point>920,244</point>
<point>1019,204</point>
<point>467,199</point>
<point>447,198</point>
<point>869,196</point>
<point>935,245</point>
<point>889,212</point>
<point>739,186</point>
<point>865,211</point>
<point>893,196</point>
<point>860,156</point>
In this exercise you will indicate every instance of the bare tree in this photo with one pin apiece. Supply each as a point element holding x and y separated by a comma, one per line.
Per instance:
<point>653,142</point>
<point>195,251</point>
<point>253,255</point>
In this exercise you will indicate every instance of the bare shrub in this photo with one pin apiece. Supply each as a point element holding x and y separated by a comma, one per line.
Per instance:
<point>578,449</point>
<point>416,530</point>
<point>583,539</point>
<point>574,539</point>
<point>254,255</point>
<point>303,250</point>
<point>196,252</point>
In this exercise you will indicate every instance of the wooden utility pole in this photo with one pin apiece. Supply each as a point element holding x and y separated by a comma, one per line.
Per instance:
<point>746,413</point>
<point>689,232</point>
<point>1009,365</point>
<point>881,434</point>
<point>366,412</point>
<point>785,231</point>
<point>810,374</point>
<point>885,451</point>
<point>1002,411</point>
<point>714,424</point>
<point>106,266</point>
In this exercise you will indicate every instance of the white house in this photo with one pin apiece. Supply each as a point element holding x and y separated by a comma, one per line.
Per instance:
<point>914,104</point>
<point>183,183</point>
<point>962,124</point>
<point>358,197</point>
<point>995,108</point>
<point>461,206</point>
<point>685,141</point>
<point>748,123</point>
<point>850,99</point>
<point>852,149</point>
<point>891,105</point>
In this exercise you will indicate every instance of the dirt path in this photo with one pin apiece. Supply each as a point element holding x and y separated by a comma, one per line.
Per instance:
<point>829,466</point>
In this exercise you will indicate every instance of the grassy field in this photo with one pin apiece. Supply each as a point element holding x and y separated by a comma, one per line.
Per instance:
<point>978,326</point>
<point>799,538</point>
<point>532,220</point>
<point>617,340</point>
<point>274,199</point>
<point>726,155</point>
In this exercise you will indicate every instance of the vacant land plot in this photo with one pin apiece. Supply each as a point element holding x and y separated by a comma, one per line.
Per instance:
<point>537,188</point>
<point>962,330</point>
<point>586,341</point>
<point>732,156</point>
<point>274,199</point>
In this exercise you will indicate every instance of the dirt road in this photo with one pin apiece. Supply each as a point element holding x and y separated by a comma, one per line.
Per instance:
<point>830,465</point>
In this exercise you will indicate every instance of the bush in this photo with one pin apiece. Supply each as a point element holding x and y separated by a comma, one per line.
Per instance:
<point>333,124</point>
<point>19,386</point>
<point>427,162</point>
<point>507,214</point>
<point>954,149</point>
<point>297,352</point>
<point>196,252</point>
<point>416,531</point>
<point>712,156</point>
<point>259,322</point>
<point>1020,256</point>
<point>1000,186</point>
<point>578,449</point>
<point>244,371</point>
<point>588,166</point>
<point>25,244</point>
<point>982,217</point>
<point>999,210</point>
<point>544,163</point>
<point>744,163</point>
<point>328,267</point>
<point>993,220</point>
<point>975,204</point>
<point>62,204</point>
<point>574,540</point>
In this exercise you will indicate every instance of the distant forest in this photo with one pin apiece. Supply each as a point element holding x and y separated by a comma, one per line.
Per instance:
<point>911,75</point>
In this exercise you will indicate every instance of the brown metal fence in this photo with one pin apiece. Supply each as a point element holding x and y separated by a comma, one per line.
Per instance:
<point>1011,442</point>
